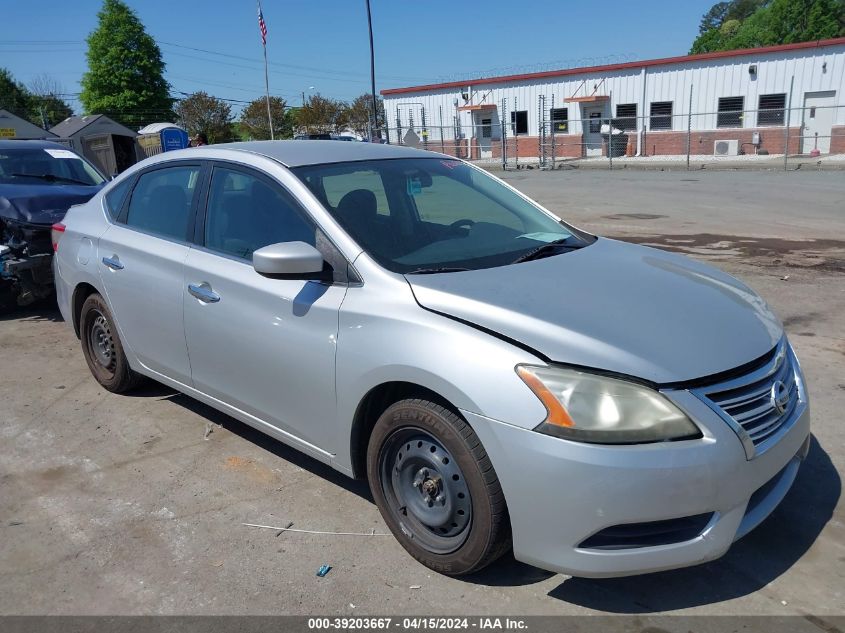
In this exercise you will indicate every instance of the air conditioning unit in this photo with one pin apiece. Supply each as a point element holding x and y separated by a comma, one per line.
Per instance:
<point>726,148</point>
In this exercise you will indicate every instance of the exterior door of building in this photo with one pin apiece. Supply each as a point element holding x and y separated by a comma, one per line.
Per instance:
<point>817,121</point>
<point>592,129</point>
<point>484,133</point>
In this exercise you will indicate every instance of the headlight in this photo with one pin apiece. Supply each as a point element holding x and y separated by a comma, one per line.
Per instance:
<point>590,408</point>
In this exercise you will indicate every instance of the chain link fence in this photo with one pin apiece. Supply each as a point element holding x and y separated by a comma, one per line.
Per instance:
<point>778,134</point>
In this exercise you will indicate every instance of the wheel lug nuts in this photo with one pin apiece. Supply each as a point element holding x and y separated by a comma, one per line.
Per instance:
<point>441,500</point>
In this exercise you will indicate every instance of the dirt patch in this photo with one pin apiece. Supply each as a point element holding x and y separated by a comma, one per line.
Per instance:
<point>825,255</point>
<point>256,472</point>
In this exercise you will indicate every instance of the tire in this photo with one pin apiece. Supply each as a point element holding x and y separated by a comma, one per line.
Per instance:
<point>102,347</point>
<point>436,488</point>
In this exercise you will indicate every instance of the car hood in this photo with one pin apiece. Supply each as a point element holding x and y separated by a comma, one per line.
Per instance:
<point>614,306</point>
<point>41,204</point>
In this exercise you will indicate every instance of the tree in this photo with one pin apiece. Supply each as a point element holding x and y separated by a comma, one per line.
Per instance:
<point>125,77</point>
<point>361,111</point>
<point>14,96</point>
<point>320,115</point>
<point>750,23</point>
<point>47,107</point>
<point>201,112</point>
<point>254,119</point>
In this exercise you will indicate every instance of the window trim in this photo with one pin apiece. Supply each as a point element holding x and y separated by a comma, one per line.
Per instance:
<point>556,120</point>
<point>779,112</point>
<point>121,219</point>
<point>652,116</point>
<point>740,113</point>
<point>626,117</point>
<point>515,122</point>
<point>343,275</point>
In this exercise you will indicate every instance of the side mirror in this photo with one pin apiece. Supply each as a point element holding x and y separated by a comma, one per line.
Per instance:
<point>289,260</point>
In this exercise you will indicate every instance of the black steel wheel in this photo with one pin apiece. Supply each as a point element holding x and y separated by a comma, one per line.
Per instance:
<point>436,488</point>
<point>102,347</point>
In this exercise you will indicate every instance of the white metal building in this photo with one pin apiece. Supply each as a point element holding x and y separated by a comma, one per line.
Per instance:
<point>727,102</point>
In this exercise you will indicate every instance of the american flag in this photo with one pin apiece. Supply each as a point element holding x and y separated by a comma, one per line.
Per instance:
<point>262,26</point>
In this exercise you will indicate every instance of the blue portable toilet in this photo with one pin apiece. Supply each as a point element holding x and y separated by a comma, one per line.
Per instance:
<point>173,138</point>
<point>162,137</point>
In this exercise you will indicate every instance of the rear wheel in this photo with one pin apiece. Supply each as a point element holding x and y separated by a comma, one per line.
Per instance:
<point>436,488</point>
<point>102,347</point>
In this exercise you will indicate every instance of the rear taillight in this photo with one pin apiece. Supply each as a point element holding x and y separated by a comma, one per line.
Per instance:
<point>56,232</point>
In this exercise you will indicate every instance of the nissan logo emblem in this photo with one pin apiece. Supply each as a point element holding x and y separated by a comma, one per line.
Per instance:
<point>780,396</point>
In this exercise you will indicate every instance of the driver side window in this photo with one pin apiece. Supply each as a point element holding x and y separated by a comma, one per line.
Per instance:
<point>245,213</point>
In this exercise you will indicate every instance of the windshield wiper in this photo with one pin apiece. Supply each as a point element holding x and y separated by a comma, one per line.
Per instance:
<point>431,271</point>
<point>544,250</point>
<point>54,178</point>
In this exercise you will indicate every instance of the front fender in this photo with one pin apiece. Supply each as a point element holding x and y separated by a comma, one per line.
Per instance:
<point>386,337</point>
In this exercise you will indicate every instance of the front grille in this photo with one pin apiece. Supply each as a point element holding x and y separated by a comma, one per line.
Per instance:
<point>751,402</point>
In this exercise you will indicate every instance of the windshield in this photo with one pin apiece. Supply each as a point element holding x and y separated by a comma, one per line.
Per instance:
<point>435,214</point>
<point>46,165</point>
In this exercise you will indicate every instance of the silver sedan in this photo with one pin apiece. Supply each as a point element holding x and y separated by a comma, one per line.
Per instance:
<point>500,377</point>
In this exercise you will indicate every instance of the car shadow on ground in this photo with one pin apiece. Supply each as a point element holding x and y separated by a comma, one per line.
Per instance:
<point>752,563</point>
<point>157,390</point>
<point>45,310</point>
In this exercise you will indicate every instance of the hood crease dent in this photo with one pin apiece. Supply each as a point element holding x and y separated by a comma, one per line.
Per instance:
<point>616,307</point>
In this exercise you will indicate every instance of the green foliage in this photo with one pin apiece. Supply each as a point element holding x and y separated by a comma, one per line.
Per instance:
<point>254,119</point>
<point>14,96</point>
<point>47,108</point>
<point>361,111</point>
<point>40,105</point>
<point>201,112</point>
<point>125,77</point>
<point>750,23</point>
<point>321,115</point>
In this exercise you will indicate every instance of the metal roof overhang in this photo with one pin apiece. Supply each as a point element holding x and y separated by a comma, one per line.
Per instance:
<point>590,99</point>
<point>481,106</point>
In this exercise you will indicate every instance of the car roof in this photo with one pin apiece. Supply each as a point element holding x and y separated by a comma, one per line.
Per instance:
<point>28,144</point>
<point>300,153</point>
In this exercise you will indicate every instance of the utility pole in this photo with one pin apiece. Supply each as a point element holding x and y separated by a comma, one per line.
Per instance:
<point>372,68</point>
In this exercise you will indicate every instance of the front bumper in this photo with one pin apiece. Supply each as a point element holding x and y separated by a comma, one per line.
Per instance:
<point>559,493</point>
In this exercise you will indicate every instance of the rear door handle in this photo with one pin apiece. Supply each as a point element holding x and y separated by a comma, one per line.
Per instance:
<point>113,262</point>
<point>203,292</point>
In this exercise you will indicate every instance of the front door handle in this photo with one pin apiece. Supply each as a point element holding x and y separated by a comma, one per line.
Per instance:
<point>113,262</point>
<point>203,292</point>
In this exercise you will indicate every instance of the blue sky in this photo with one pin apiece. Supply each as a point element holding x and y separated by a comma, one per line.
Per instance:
<point>320,46</point>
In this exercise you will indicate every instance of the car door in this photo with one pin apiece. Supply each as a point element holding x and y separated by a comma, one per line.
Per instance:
<point>264,346</point>
<point>141,258</point>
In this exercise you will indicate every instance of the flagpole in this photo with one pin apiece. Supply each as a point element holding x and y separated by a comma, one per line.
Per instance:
<point>266,78</point>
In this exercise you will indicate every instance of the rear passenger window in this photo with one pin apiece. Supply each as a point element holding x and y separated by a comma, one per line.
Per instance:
<point>161,201</point>
<point>116,196</point>
<point>246,213</point>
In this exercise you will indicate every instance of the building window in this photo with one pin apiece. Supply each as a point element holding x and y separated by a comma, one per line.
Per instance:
<point>626,116</point>
<point>519,122</point>
<point>661,115</point>
<point>730,112</point>
<point>486,128</point>
<point>560,119</point>
<point>771,109</point>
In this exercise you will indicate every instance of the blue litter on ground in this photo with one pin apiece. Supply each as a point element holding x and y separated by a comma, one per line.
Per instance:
<point>324,569</point>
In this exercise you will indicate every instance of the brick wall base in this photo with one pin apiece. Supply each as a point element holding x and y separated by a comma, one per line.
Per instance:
<point>654,143</point>
<point>837,139</point>
<point>702,141</point>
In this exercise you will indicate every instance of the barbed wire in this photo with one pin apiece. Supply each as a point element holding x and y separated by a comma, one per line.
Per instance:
<point>580,62</point>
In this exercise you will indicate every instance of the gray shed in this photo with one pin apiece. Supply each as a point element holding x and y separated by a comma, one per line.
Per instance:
<point>108,144</point>
<point>14,127</point>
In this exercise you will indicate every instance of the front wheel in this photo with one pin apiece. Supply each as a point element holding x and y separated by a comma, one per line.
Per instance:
<point>436,488</point>
<point>102,347</point>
